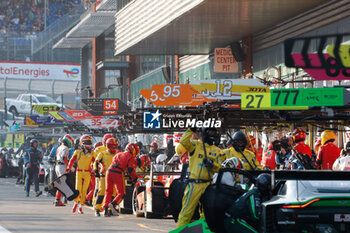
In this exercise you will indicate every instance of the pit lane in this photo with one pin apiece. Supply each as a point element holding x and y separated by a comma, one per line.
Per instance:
<point>37,214</point>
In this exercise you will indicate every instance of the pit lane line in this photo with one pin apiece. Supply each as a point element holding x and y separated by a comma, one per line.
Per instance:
<point>139,224</point>
<point>4,230</point>
<point>149,228</point>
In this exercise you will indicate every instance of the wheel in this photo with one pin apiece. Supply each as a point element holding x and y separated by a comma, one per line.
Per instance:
<point>13,110</point>
<point>150,214</point>
<point>135,203</point>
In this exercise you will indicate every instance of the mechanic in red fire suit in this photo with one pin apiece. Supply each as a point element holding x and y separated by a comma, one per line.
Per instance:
<point>269,159</point>
<point>122,162</point>
<point>299,139</point>
<point>328,152</point>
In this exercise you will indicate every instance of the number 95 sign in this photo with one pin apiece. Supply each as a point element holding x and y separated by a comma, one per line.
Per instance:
<point>173,95</point>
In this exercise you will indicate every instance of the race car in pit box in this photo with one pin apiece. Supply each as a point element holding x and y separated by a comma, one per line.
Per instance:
<point>151,194</point>
<point>301,201</point>
<point>309,201</point>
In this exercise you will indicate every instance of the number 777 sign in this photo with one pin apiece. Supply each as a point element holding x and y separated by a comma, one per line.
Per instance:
<point>293,98</point>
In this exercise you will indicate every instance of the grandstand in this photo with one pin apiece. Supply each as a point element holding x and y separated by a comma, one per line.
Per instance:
<point>22,22</point>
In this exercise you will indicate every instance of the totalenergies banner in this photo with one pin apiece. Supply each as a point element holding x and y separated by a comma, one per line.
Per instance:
<point>40,70</point>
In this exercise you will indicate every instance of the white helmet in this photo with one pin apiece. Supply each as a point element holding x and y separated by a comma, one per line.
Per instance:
<point>161,158</point>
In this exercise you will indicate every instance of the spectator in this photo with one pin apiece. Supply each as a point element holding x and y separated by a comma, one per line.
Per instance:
<point>21,16</point>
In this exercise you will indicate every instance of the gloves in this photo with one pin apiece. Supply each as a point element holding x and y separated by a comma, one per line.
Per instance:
<point>208,163</point>
<point>97,174</point>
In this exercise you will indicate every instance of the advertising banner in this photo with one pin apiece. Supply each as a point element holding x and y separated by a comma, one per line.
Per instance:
<point>40,71</point>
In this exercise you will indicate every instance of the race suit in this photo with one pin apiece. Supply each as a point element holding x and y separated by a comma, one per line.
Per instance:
<point>342,164</point>
<point>249,159</point>
<point>199,177</point>
<point>95,182</point>
<point>121,163</point>
<point>327,154</point>
<point>244,215</point>
<point>61,164</point>
<point>303,148</point>
<point>269,160</point>
<point>82,173</point>
<point>258,153</point>
<point>105,159</point>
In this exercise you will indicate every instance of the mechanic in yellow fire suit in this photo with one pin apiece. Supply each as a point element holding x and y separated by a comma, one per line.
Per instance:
<point>202,166</point>
<point>237,149</point>
<point>84,158</point>
<point>97,151</point>
<point>104,159</point>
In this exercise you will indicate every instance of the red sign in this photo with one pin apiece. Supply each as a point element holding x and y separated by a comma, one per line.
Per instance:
<point>336,73</point>
<point>101,123</point>
<point>110,104</point>
<point>79,115</point>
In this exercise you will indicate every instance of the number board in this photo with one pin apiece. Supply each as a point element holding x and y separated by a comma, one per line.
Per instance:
<point>311,97</point>
<point>101,105</point>
<point>173,95</point>
<point>255,101</point>
<point>110,104</point>
<point>293,99</point>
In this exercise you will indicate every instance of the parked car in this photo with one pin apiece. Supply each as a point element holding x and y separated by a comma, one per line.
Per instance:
<point>23,104</point>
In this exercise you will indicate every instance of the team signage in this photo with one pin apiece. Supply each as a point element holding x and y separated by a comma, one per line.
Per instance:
<point>108,106</point>
<point>174,95</point>
<point>42,71</point>
<point>40,120</point>
<point>293,98</point>
<point>45,109</point>
<point>228,89</point>
<point>331,62</point>
<point>201,91</point>
<point>80,114</point>
<point>101,123</point>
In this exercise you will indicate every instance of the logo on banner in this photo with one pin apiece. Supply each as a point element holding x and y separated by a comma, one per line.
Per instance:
<point>73,73</point>
<point>151,120</point>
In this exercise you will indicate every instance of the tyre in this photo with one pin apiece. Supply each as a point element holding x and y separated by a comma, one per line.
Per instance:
<point>135,203</point>
<point>13,110</point>
<point>158,203</point>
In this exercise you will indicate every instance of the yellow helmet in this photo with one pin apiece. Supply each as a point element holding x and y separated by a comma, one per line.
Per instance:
<point>180,150</point>
<point>326,136</point>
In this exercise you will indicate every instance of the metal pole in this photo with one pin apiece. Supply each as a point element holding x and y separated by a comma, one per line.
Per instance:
<point>77,95</point>
<point>62,101</point>
<point>29,84</point>
<point>45,13</point>
<point>53,89</point>
<point>31,104</point>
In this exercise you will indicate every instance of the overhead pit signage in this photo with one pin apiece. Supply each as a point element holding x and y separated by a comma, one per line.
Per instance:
<point>293,99</point>
<point>198,92</point>
<point>108,106</point>
<point>322,57</point>
<point>224,62</point>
